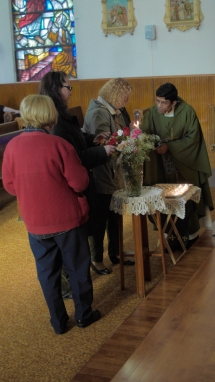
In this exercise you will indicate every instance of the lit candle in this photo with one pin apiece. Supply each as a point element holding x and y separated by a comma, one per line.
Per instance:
<point>136,124</point>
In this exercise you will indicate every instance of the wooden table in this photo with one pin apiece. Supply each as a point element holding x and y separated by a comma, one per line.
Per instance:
<point>149,202</point>
<point>175,207</point>
<point>152,202</point>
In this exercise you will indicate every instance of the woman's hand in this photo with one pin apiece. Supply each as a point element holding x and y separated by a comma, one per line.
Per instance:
<point>101,137</point>
<point>109,149</point>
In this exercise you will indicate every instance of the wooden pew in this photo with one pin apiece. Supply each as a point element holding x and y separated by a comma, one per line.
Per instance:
<point>8,127</point>
<point>8,130</point>
<point>10,116</point>
<point>77,111</point>
<point>4,139</point>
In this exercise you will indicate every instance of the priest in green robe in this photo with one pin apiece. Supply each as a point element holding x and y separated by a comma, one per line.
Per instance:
<point>182,155</point>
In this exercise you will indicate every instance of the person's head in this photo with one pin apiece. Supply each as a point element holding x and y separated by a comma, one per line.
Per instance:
<point>38,111</point>
<point>166,98</point>
<point>57,86</point>
<point>116,92</point>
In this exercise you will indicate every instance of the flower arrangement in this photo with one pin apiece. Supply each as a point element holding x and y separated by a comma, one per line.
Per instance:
<point>132,149</point>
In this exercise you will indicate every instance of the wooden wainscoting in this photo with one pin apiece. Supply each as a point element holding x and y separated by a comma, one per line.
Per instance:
<point>197,90</point>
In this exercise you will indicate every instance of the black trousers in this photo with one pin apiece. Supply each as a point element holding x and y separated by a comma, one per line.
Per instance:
<point>105,220</point>
<point>71,249</point>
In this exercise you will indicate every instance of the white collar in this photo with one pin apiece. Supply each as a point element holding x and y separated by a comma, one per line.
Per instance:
<point>171,114</point>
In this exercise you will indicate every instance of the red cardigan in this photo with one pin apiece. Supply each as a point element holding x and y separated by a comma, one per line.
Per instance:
<point>46,175</point>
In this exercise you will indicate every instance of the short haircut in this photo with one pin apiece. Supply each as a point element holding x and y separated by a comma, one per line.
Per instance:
<point>168,91</point>
<point>38,111</point>
<point>115,91</point>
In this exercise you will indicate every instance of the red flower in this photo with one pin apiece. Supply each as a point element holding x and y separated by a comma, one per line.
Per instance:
<point>118,136</point>
<point>112,141</point>
<point>126,131</point>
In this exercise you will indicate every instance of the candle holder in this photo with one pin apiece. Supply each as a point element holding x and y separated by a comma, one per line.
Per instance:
<point>172,191</point>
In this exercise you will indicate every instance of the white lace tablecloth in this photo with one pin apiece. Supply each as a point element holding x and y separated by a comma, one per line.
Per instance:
<point>176,205</point>
<point>153,199</point>
<point>150,201</point>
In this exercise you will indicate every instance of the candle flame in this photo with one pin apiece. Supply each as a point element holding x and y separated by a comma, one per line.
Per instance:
<point>136,124</point>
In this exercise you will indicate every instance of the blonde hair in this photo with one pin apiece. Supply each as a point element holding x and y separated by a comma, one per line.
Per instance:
<point>116,91</point>
<point>38,111</point>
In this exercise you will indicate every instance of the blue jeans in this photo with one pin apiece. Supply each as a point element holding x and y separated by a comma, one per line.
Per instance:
<point>71,249</point>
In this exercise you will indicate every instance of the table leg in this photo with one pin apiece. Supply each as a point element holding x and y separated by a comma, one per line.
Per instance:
<point>140,233</point>
<point>161,236</point>
<point>161,240</point>
<point>120,221</point>
<point>145,246</point>
<point>174,229</point>
<point>141,252</point>
<point>166,239</point>
<point>173,223</point>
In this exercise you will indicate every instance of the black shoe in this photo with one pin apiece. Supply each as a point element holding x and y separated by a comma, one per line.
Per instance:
<point>96,315</point>
<point>115,260</point>
<point>61,332</point>
<point>104,271</point>
<point>129,262</point>
<point>65,327</point>
<point>67,296</point>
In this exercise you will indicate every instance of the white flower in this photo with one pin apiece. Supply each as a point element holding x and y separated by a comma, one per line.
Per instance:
<point>120,132</point>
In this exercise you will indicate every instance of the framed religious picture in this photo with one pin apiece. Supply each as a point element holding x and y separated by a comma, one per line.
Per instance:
<point>183,14</point>
<point>118,17</point>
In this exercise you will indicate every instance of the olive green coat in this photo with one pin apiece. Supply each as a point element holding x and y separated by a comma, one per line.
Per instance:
<point>186,149</point>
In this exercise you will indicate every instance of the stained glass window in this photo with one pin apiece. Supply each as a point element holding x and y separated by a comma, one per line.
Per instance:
<point>44,37</point>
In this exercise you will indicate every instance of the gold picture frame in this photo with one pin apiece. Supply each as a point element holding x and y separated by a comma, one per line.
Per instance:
<point>118,17</point>
<point>183,14</point>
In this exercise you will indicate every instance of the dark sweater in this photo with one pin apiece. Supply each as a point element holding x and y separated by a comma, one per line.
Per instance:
<point>67,127</point>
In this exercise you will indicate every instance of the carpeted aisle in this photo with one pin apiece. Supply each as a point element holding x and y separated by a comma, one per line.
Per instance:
<point>30,350</point>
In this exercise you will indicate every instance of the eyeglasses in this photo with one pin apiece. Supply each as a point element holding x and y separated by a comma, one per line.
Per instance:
<point>68,87</point>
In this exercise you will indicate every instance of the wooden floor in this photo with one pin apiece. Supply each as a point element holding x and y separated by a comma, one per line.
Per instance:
<point>170,337</point>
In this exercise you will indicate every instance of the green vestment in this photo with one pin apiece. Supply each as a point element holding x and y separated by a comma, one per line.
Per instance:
<point>186,160</point>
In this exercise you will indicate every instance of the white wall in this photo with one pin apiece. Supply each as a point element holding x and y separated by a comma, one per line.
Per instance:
<point>7,63</point>
<point>172,53</point>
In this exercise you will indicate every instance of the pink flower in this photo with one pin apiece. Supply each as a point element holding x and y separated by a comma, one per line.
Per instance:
<point>136,133</point>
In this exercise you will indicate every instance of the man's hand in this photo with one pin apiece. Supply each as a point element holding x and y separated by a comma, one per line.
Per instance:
<point>109,149</point>
<point>101,137</point>
<point>162,149</point>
